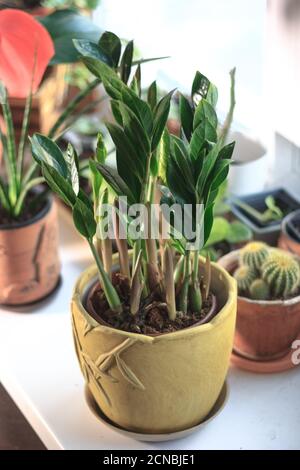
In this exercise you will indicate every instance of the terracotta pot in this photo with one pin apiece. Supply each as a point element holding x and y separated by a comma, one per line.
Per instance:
<point>286,239</point>
<point>29,262</point>
<point>155,384</point>
<point>265,330</point>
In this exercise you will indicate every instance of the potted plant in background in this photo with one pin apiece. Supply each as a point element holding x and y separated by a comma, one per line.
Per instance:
<point>29,263</point>
<point>154,334</point>
<point>263,212</point>
<point>290,233</point>
<point>268,318</point>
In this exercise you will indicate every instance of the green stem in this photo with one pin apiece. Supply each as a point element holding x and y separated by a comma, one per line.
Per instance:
<point>20,201</point>
<point>24,133</point>
<point>110,292</point>
<point>72,105</point>
<point>4,196</point>
<point>195,291</point>
<point>183,296</point>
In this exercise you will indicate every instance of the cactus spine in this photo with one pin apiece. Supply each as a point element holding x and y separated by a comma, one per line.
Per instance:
<point>254,254</point>
<point>282,273</point>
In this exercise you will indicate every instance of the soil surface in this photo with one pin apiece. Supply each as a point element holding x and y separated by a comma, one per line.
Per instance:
<point>152,319</point>
<point>34,204</point>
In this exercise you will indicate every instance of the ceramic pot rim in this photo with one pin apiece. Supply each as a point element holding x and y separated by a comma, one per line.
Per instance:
<point>232,257</point>
<point>230,284</point>
<point>40,215</point>
<point>285,221</point>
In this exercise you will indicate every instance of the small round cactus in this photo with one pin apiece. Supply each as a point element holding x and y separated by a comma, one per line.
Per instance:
<point>244,276</point>
<point>259,290</point>
<point>282,273</point>
<point>254,254</point>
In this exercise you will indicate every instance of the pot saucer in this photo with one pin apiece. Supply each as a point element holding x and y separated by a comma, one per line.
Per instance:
<point>219,405</point>
<point>265,367</point>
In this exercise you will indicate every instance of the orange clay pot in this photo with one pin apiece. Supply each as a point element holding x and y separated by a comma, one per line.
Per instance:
<point>29,262</point>
<point>265,330</point>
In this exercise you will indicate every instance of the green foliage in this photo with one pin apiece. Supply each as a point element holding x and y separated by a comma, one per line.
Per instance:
<point>282,273</point>
<point>259,290</point>
<point>244,275</point>
<point>254,254</point>
<point>64,26</point>
<point>199,160</point>
<point>276,272</point>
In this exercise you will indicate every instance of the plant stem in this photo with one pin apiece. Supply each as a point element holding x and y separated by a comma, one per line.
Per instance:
<point>169,285</point>
<point>72,105</point>
<point>110,292</point>
<point>183,296</point>
<point>20,201</point>
<point>228,121</point>
<point>195,292</point>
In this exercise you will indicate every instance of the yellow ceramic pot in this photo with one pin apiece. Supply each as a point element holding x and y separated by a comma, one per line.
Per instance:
<point>156,384</point>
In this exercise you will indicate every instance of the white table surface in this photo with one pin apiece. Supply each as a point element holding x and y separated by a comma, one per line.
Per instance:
<point>39,369</point>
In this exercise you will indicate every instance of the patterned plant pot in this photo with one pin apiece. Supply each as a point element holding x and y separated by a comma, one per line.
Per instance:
<point>155,384</point>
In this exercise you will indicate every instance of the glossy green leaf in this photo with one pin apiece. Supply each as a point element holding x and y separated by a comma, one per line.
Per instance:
<point>47,151</point>
<point>140,108</point>
<point>71,159</point>
<point>110,44</point>
<point>205,112</point>
<point>90,49</point>
<point>152,95</point>
<point>126,62</point>
<point>163,154</point>
<point>205,132</point>
<point>200,85</point>
<point>161,113</point>
<point>84,221</point>
<point>114,180</point>
<point>186,116</point>
<point>58,184</point>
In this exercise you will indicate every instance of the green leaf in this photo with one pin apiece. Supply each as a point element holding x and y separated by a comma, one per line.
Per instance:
<point>114,180</point>
<point>58,184</point>
<point>238,233</point>
<point>227,151</point>
<point>136,82</point>
<point>139,107</point>
<point>208,222</point>
<point>110,44</point>
<point>161,113</point>
<point>162,154</point>
<point>126,62</point>
<point>104,73</point>
<point>90,49</point>
<point>134,130</point>
<point>200,85</point>
<point>152,95</point>
<point>64,26</point>
<point>84,220</point>
<point>212,95</point>
<point>133,155</point>
<point>73,165</point>
<point>207,169</point>
<point>101,152</point>
<point>96,179</point>
<point>44,150</point>
<point>219,232</point>
<point>205,112</point>
<point>205,132</point>
<point>181,156</point>
<point>186,116</point>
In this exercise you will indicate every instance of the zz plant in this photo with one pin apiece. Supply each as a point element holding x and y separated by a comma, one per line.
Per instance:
<point>191,169</point>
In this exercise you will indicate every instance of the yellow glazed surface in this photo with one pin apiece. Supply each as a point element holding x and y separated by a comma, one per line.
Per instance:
<point>156,384</point>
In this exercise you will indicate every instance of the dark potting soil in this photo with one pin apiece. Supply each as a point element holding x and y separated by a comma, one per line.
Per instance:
<point>152,318</point>
<point>34,204</point>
